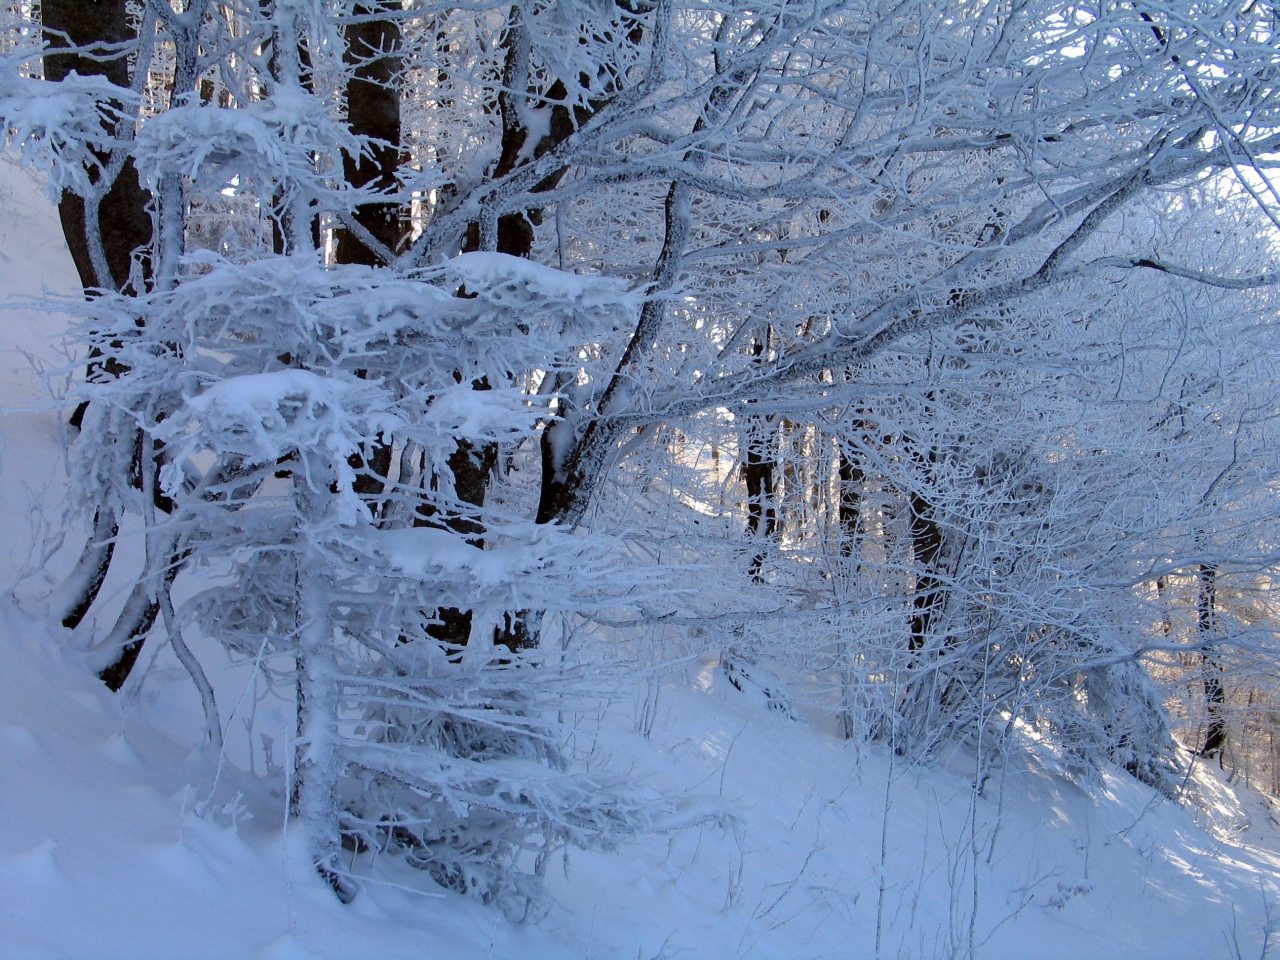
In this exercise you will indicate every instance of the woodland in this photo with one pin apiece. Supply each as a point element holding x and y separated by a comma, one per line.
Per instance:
<point>461,368</point>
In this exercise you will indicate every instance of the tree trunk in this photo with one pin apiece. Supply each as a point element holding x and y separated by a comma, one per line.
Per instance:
<point>277,66</point>
<point>72,598</point>
<point>758,467</point>
<point>373,110</point>
<point>471,466</point>
<point>135,622</point>
<point>926,546</point>
<point>1215,699</point>
<point>121,225</point>
<point>852,477</point>
<point>124,643</point>
<point>758,470</point>
<point>122,219</point>
<point>514,236</point>
<point>316,765</point>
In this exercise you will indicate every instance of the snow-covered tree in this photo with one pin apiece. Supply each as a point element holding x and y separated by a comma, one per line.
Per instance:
<point>443,751</point>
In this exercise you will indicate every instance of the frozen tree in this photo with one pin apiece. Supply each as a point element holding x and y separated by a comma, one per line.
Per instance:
<point>1004,573</point>
<point>284,373</point>
<point>441,751</point>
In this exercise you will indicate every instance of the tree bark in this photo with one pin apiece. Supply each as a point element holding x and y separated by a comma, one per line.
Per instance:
<point>926,546</point>
<point>373,110</point>
<point>72,598</point>
<point>122,217</point>
<point>758,472</point>
<point>316,765</point>
<point>1215,697</point>
<point>514,236</point>
<point>471,466</point>
<point>122,222</point>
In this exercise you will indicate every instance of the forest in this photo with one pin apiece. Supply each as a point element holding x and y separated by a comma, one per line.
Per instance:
<point>454,377</point>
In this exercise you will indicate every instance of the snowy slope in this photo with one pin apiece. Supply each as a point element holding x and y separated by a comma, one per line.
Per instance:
<point>119,839</point>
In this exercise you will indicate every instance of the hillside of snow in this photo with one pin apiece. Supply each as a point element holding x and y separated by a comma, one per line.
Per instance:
<point>120,838</point>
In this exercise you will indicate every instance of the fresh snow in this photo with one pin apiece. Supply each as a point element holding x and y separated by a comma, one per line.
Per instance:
<point>119,837</point>
<point>271,139</point>
<point>253,407</point>
<point>518,280</point>
<point>59,128</point>
<point>424,551</point>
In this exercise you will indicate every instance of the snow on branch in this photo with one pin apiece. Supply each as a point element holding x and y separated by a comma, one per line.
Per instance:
<point>66,129</point>
<point>1186,273</point>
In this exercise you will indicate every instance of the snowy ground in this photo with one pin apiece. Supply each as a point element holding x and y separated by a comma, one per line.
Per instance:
<point>115,843</point>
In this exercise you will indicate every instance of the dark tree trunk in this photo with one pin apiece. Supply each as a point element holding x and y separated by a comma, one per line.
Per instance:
<point>373,110</point>
<point>122,222</point>
<point>123,219</point>
<point>515,237</point>
<point>75,595</point>
<point>115,675</point>
<point>515,231</point>
<point>758,469</point>
<point>926,546</point>
<point>279,241</point>
<point>852,477</point>
<point>471,466</point>
<point>134,623</point>
<point>1215,697</point>
<point>139,614</point>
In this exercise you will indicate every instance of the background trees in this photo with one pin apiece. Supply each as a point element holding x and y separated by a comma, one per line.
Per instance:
<point>967,289</point>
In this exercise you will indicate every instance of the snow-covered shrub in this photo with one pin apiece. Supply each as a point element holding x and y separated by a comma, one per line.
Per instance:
<point>275,143</point>
<point>263,387</point>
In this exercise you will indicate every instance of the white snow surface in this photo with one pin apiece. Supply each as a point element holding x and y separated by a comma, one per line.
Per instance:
<point>119,838</point>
